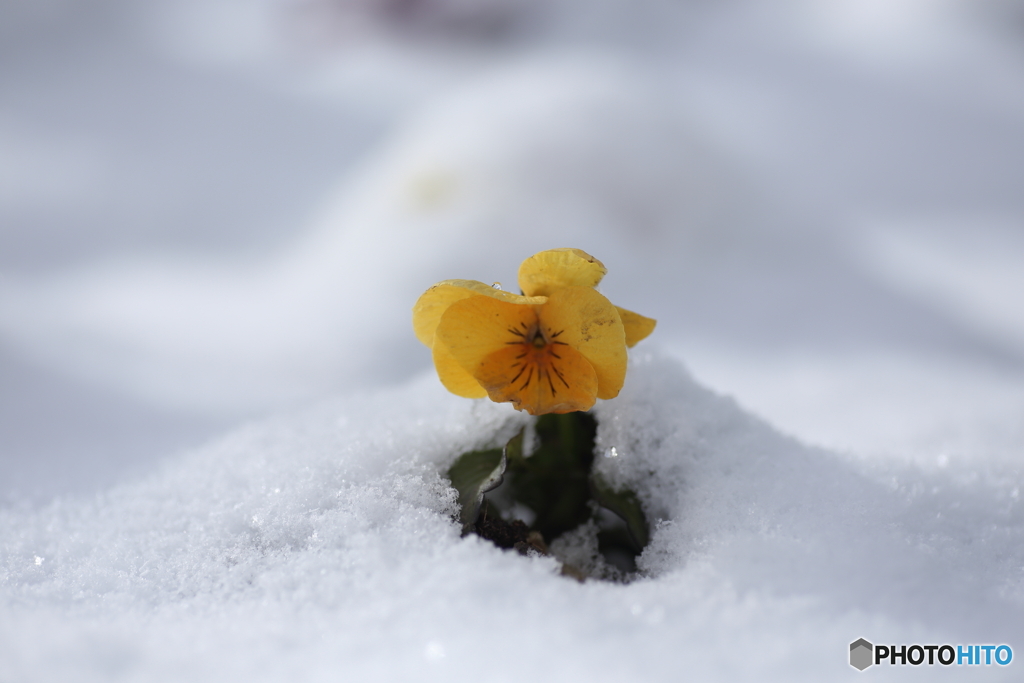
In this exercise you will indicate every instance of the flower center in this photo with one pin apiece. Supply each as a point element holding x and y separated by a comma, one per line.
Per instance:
<point>537,360</point>
<point>538,340</point>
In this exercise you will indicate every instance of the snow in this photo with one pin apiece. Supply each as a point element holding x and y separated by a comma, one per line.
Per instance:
<point>222,451</point>
<point>323,544</point>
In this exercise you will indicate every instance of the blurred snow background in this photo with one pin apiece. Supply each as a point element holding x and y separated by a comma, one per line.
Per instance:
<point>213,212</point>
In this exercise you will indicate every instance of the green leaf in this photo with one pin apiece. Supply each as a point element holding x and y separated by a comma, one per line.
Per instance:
<point>477,472</point>
<point>626,505</point>
<point>514,447</point>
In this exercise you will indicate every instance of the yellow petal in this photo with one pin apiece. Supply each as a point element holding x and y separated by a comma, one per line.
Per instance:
<point>435,301</point>
<point>637,326</point>
<point>452,375</point>
<point>585,320</point>
<point>549,379</point>
<point>474,328</point>
<point>543,273</point>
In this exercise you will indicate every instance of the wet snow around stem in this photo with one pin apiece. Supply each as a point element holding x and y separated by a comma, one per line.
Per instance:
<point>323,544</point>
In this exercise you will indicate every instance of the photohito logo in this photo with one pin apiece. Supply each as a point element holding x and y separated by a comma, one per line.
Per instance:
<point>863,654</point>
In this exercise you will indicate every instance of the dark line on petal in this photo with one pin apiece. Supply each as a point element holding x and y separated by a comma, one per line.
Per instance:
<point>521,355</point>
<point>516,332</point>
<point>555,355</point>
<point>521,370</point>
<point>550,384</point>
<point>516,365</point>
<point>528,378</point>
<point>558,342</point>
<point>560,376</point>
<point>511,343</point>
<point>557,333</point>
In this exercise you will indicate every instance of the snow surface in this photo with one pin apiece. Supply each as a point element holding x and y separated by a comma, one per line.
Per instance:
<point>219,214</point>
<point>322,545</point>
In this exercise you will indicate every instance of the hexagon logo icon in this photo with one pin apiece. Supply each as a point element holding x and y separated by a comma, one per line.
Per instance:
<point>861,652</point>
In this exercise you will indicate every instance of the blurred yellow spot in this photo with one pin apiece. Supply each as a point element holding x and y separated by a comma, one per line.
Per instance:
<point>433,190</point>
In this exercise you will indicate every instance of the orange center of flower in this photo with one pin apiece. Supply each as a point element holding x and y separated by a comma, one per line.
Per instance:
<point>536,360</point>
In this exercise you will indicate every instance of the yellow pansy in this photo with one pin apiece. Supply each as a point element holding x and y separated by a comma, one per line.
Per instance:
<point>554,349</point>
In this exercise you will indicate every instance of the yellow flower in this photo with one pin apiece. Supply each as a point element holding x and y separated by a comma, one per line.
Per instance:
<point>554,349</point>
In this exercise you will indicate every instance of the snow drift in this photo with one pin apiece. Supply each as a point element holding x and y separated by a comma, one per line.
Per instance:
<point>323,545</point>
